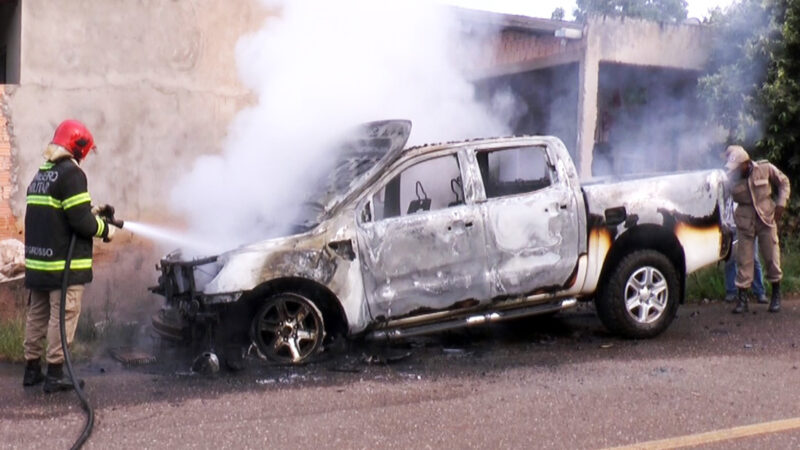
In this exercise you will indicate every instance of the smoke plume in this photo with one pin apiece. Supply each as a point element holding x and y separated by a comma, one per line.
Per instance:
<point>318,68</point>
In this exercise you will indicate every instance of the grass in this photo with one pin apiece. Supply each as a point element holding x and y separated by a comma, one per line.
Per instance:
<point>89,338</point>
<point>12,333</point>
<point>710,282</point>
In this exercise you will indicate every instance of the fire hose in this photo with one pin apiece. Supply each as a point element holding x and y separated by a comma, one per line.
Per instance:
<point>62,311</point>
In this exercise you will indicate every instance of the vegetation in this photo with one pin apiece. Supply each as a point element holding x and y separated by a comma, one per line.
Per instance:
<point>12,333</point>
<point>745,38</point>
<point>752,85</point>
<point>781,93</point>
<point>709,283</point>
<point>90,336</point>
<point>659,10</point>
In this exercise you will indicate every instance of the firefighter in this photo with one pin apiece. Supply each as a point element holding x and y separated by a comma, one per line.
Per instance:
<point>58,206</point>
<point>753,186</point>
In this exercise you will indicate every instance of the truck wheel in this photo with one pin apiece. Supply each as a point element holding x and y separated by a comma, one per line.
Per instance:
<point>288,329</point>
<point>640,297</point>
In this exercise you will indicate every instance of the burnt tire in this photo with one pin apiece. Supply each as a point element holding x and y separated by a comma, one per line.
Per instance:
<point>640,296</point>
<point>288,328</point>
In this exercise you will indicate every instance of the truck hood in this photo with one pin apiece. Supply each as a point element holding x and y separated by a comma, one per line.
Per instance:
<point>364,150</point>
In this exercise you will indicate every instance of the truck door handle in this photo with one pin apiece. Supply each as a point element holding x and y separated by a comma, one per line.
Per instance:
<point>459,223</point>
<point>563,206</point>
<point>344,249</point>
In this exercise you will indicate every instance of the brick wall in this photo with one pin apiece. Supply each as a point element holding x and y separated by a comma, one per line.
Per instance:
<point>8,223</point>
<point>516,47</point>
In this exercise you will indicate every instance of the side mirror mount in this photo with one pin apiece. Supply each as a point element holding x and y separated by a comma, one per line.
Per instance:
<point>366,213</point>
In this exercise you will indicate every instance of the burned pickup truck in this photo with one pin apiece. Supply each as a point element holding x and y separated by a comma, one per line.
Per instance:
<point>403,242</point>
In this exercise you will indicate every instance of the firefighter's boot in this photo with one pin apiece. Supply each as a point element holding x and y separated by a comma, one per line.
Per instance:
<point>741,304</point>
<point>56,381</point>
<point>775,301</point>
<point>33,373</point>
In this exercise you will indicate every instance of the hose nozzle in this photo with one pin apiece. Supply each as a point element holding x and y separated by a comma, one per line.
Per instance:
<point>119,223</point>
<point>107,213</point>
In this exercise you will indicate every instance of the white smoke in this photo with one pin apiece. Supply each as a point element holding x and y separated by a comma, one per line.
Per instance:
<point>318,68</point>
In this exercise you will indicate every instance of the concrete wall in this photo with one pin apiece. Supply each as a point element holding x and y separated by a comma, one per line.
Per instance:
<point>634,42</point>
<point>551,97</point>
<point>605,39</point>
<point>646,43</point>
<point>156,83</point>
<point>154,80</point>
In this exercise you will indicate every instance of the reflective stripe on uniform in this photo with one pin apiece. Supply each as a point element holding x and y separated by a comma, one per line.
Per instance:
<point>54,266</point>
<point>47,200</point>
<point>47,166</point>
<point>76,200</point>
<point>43,200</point>
<point>101,226</point>
<point>81,264</point>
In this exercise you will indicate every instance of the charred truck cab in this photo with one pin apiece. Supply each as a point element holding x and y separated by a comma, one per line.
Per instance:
<point>401,242</point>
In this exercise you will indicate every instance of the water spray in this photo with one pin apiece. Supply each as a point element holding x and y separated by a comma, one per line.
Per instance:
<point>158,234</point>
<point>177,238</point>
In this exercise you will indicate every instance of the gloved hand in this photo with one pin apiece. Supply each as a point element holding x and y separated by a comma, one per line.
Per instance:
<point>778,214</point>
<point>104,211</point>
<point>111,231</point>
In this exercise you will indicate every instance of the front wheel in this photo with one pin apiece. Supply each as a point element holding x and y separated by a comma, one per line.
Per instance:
<point>288,329</point>
<point>641,295</point>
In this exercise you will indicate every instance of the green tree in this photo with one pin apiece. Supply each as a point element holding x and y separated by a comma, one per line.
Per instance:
<point>658,10</point>
<point>781,94</point>
<point>743,43</point>
<point>558,14</point>
<point>752,84</point>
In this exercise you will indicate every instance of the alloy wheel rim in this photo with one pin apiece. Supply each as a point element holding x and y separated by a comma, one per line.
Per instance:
<point>646,295</point>
<point>289,329</point>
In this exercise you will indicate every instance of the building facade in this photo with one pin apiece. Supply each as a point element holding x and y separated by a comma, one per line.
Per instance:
<point>620,92</point>
<point>156,82</point>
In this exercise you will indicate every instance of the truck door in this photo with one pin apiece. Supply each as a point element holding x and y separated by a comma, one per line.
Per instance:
<point>531,217</point>
<point>422,248</point>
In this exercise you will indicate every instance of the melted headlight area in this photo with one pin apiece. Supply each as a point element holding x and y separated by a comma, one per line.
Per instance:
<point>181,284</point>
<point>180,278</point>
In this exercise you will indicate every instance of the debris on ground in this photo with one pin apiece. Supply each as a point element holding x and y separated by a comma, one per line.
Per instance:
<point>546,340</point>
<point>130,356</point>
<point>12,259</point>
<point>345,369</point>
<point>453,351</point>
<point>207,364</point>
<point>386,358</point>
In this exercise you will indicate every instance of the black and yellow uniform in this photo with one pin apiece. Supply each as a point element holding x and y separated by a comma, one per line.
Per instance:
<point>58,205</point>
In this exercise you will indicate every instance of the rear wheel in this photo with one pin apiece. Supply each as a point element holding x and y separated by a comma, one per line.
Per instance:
<point>288,329</point>
<point>641,295</point>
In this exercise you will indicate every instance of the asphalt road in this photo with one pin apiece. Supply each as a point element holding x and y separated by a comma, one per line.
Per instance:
<point>558,382</point>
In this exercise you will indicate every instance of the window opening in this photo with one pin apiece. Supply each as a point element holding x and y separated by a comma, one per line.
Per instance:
<point>429,185</point>
<point>514,171</point>
<point>10,41</point>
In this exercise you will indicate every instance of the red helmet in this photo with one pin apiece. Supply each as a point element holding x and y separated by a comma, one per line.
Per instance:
<point>75,137</point>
